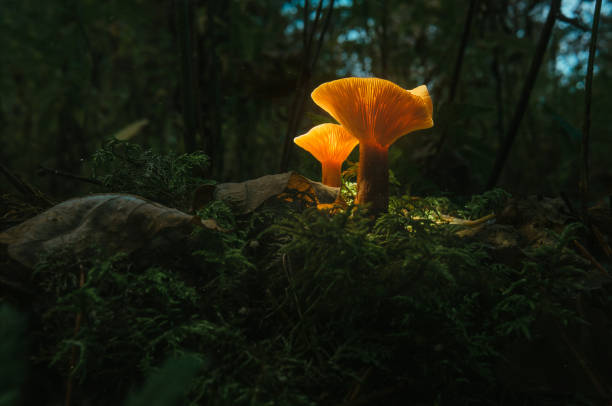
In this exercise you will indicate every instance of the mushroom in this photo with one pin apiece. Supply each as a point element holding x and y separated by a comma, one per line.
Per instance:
<point>330,144</point>
<point>377,112</point>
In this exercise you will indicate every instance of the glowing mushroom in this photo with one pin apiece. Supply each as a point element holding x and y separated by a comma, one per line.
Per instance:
<point>330,144</point>
<point>377,112</point>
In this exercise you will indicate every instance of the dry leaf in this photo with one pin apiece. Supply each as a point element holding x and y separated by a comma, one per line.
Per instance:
<point>131,130</point>
<point>111,222</point>
<point>245,197</point>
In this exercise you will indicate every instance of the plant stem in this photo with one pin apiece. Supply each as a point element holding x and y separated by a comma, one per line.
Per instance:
<point>308,64</point>
<point>521,106</point>
<point>457,70</point>
<point>185,20</point>
<point>373,177</point>
<point>586,128</point>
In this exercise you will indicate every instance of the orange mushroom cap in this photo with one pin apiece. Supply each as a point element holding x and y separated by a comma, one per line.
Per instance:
<point>328,143</point>
<point>375,111</point>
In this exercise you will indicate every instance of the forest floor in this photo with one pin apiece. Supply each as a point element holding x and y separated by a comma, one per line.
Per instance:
<point>114,298</point>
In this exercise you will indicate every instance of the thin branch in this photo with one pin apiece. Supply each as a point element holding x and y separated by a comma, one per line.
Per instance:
<point>464,39</point>
<point>322,36</point>
<point>590,257</point>
<point>43,171</point>
<point>586,128</point>
<point>184,11</point>
<point>457,69</point>
<point>599,386</point>
<point>384,54</point>
<point>303,82</point>
<point>499,98</point>
<point>602,241</point>
<point>575,22</point>
<point>306,18</point>
<point>297,96</point>
<point>35,196</point>
<point>521,106</point>
<point>314,25</point>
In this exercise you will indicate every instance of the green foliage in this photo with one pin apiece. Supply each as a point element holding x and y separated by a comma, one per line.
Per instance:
<point>12,355</point>
<point>488,202</point>
<point>116,62</point>
<point>168,385</point>
<point>168,178</point>
<point>300,307</point>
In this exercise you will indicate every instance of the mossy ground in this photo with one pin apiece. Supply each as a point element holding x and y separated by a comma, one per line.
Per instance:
<point>310,307</point>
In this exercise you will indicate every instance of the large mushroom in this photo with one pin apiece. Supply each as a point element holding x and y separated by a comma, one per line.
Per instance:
<point>330,144</point>
<point>377,112</point>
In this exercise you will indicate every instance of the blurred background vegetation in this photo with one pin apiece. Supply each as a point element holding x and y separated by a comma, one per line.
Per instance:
<point>229,78</point>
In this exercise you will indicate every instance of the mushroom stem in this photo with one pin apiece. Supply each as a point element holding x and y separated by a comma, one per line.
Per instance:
<point>330,173</point>
<point>373,177</point>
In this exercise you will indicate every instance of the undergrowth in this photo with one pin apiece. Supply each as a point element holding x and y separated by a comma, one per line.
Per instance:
<point>166,178</point>
<point>300,308</point>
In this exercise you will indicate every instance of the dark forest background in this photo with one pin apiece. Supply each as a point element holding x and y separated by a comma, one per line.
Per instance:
<point>462,294</point>
<point>233,78</point>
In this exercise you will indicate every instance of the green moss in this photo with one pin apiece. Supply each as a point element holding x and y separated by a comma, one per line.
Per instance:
<point>312,308</point>
<point>166,178</point>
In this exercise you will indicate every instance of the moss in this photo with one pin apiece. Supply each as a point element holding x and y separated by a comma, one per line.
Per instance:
<point>309,307</point>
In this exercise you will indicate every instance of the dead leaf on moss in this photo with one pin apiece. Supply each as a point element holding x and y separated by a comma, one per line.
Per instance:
<point>245,197</point>
<point>111,222</point>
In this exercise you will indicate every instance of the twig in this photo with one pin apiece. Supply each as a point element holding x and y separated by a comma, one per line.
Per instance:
<point>357,387</point>
<point>602,241</point>
<point>43,171</point>
<point>599,387</point>
<point>521,106</point>
<point>25,189</point>
<point>467,223</point>
<point>586,128</point>
<point>590,257</point>
<point>572,21</point>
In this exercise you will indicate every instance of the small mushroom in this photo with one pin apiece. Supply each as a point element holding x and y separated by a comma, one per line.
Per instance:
<point>330,144</point>
<point>377,112</point>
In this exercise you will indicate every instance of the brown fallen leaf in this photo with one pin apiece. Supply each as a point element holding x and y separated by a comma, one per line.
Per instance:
<point>111,222</point>
<point>245,197</point>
